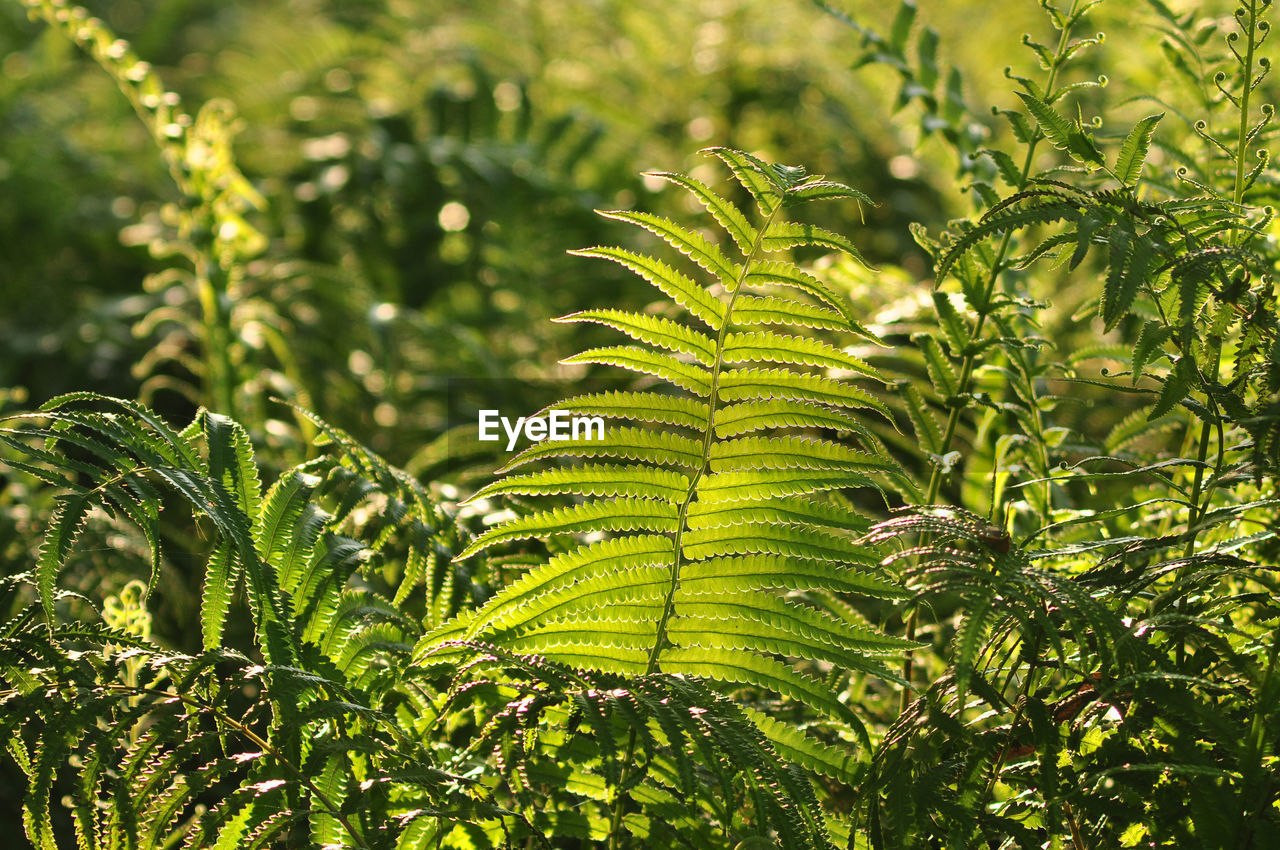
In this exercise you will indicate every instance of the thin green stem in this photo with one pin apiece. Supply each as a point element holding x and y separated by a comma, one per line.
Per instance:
<point>1247,90</point>
<point>1249,25</point>
<point>218,378</point>
<point>970,360</point>
<point>668,607</point>
<point>615,823</point>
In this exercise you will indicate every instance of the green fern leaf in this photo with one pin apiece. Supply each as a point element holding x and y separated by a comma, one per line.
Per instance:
<point>1123,275</point>
<point>747,416</point>
<point>690,243</point>
<point>1176,386</point>
<point>656,447</point>
<point>645,482</point>
<point>611,514</point>
<point>808,752</point>
<point>220,579</point>
<point>793,541</point>
<point>64,527</point>
<point>231,461</point>
<point>767,310</point>
<point>782,236</point>
<point>653,330</point>
<point>758,484</point>
<point>743,384</point>
<point>683,375</point>
<point>640,407</point>
<point>923,422</point>
<point>826,190</point>
<point>790,453</point>
<point>800,511</point>
<point>945,382</point>
<point>754,176</point>
<point>1061,134</point>
<point>746,668</point>
<point>676,286</point>
<point>1004,220</point>
<point>728,216</point>
<point>796,350</point>
<point>775,273</point>
<point>1150,339</point>
<point>752,572</point>
<point>614,556</point>
<point>1133,153</point>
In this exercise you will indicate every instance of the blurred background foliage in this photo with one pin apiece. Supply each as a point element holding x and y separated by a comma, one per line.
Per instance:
<point>426,165</point>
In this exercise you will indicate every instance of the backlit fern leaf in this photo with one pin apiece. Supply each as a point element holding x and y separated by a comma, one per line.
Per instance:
<point>706,525</point>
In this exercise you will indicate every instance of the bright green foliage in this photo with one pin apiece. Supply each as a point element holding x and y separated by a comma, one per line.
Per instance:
<point>1095,549</point>
<point>317,739</point>
<point>976,555</point>
<point>706,522</point>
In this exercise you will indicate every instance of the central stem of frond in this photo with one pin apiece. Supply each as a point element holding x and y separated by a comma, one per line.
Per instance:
<point>668,607</point>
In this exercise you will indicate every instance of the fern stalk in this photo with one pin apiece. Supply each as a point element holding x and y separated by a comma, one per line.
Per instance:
<point>214,238</point>
<point>970,360</point>
<point>708,436</point>
<point>1247,19</point>
<point>1242,146</point>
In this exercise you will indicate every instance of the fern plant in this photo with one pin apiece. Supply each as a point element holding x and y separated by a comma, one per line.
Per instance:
<point>213,235</point>
<point>1086,576</point>
<point>312,732</point>
<point>714,498</point>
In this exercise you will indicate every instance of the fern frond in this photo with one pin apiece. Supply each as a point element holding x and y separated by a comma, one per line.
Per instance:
<point>793,541</point>
<point>1133,153</point>
<point>718,504</point>
<point>606,557</point>
<point>64,526</point>
<point>221,576</point>
<point>762,671</point>
<point>791,453</point>
<point>1002,220</point>
<point>726,214</point>
<point>748,572</point>
<point>826,190</point>
<point>768,273</point>
<point>768,310</point>
<point>624,514</point>
<point>641,407</point>
<point>787,235</point>
<point>746,416</point>
<point>745,384</point>
<point>802,511</point>
<point>656,447</point>
<point>753,175</point>
<point>760,484</point>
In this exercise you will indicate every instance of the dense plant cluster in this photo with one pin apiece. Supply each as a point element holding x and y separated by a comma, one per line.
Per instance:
<point>984,559</point>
